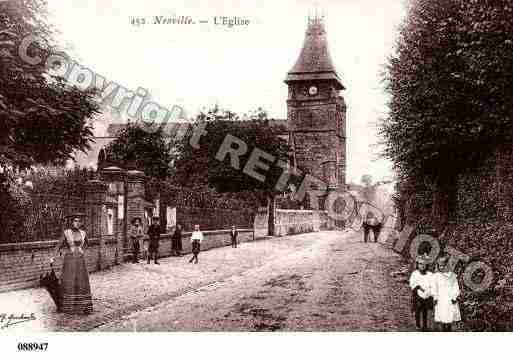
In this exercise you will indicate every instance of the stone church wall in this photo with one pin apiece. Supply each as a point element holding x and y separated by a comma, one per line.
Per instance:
<point>313,149</point>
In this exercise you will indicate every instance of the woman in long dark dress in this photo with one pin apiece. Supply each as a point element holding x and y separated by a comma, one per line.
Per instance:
<point>75,287</point>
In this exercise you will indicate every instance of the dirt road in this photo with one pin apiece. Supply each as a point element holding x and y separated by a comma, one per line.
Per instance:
<point>329,281</point>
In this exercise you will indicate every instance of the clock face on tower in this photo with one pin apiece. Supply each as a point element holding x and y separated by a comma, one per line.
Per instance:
<point>312,90</point>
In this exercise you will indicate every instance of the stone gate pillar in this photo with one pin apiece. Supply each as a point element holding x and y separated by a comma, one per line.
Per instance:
<point>115,177</point>
<point>95,207</point>
<point>135,195</point>
<point>135,202</point>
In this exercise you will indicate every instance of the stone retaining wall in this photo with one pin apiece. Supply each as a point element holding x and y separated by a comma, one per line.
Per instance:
<point>294,222</point>
<point>291,222</point>
<point>212,239</point>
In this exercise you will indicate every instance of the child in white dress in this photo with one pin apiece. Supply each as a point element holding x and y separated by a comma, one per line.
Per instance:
<point>421,282</point>
<point>445,293</point>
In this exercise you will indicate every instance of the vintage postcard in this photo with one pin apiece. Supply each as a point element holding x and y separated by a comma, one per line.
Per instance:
<point>255,166</point>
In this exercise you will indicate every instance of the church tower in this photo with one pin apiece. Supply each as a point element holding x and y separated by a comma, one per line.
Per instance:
<point>316,111</point>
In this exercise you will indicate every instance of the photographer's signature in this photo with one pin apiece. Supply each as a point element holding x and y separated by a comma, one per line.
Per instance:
<point>10,319</point>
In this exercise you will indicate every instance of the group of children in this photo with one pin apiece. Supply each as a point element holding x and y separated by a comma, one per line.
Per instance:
<point>438,291</point>
<point>151,247</point>
<point>151,251</point>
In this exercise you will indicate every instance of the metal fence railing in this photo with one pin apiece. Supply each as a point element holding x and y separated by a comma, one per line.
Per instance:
<point>213,219</point>
<point>43,218</point>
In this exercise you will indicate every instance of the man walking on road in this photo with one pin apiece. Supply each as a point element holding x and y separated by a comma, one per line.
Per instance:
<point>154,237</point>
<point>376,229</point>
<point>233,236</point>
<point>368,224</point>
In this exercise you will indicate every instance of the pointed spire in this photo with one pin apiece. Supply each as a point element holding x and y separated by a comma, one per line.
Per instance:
<point>317,19</point>
<point>314,61</point>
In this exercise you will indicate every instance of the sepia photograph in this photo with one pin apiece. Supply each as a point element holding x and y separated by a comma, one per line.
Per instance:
<point>234,167</point>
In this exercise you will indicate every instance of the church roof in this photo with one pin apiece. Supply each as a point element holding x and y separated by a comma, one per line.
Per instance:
<point>174,128</point>
<point>314,62</point>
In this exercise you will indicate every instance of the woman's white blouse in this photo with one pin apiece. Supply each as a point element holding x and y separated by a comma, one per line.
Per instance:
<point>75,240</point>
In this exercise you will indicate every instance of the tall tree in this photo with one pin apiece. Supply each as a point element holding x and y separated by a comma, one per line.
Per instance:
<point>148,151</point>
<point>42,120</point>
<point>451,95</point>
<point>200,165</point>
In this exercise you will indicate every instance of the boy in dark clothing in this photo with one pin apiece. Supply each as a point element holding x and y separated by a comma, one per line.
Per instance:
<point>154,237</point>
<point>177,241</point>
<point>233,236</point>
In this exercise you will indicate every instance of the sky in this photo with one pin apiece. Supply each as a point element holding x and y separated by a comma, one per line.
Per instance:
<point>243,67</point>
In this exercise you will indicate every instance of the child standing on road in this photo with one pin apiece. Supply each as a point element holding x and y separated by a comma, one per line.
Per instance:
<point>421,284</point>
<point>445,293</point>
<point>154,238</point>
<point>233,236</point>
<point>196,239</point>
<point>136,235</point>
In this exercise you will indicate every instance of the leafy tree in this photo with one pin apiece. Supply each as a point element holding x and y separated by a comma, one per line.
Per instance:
<point>199,166</point>
<point>451,95</point>
<point>147,151</point>
<point>60,181</point>
<point>42,120</point>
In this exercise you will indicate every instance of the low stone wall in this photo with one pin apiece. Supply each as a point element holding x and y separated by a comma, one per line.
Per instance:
<point>299,221</point>
<point>21,264</point>
<point>291,222</point>
<point>212,239</point>
<point>211,220</point>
